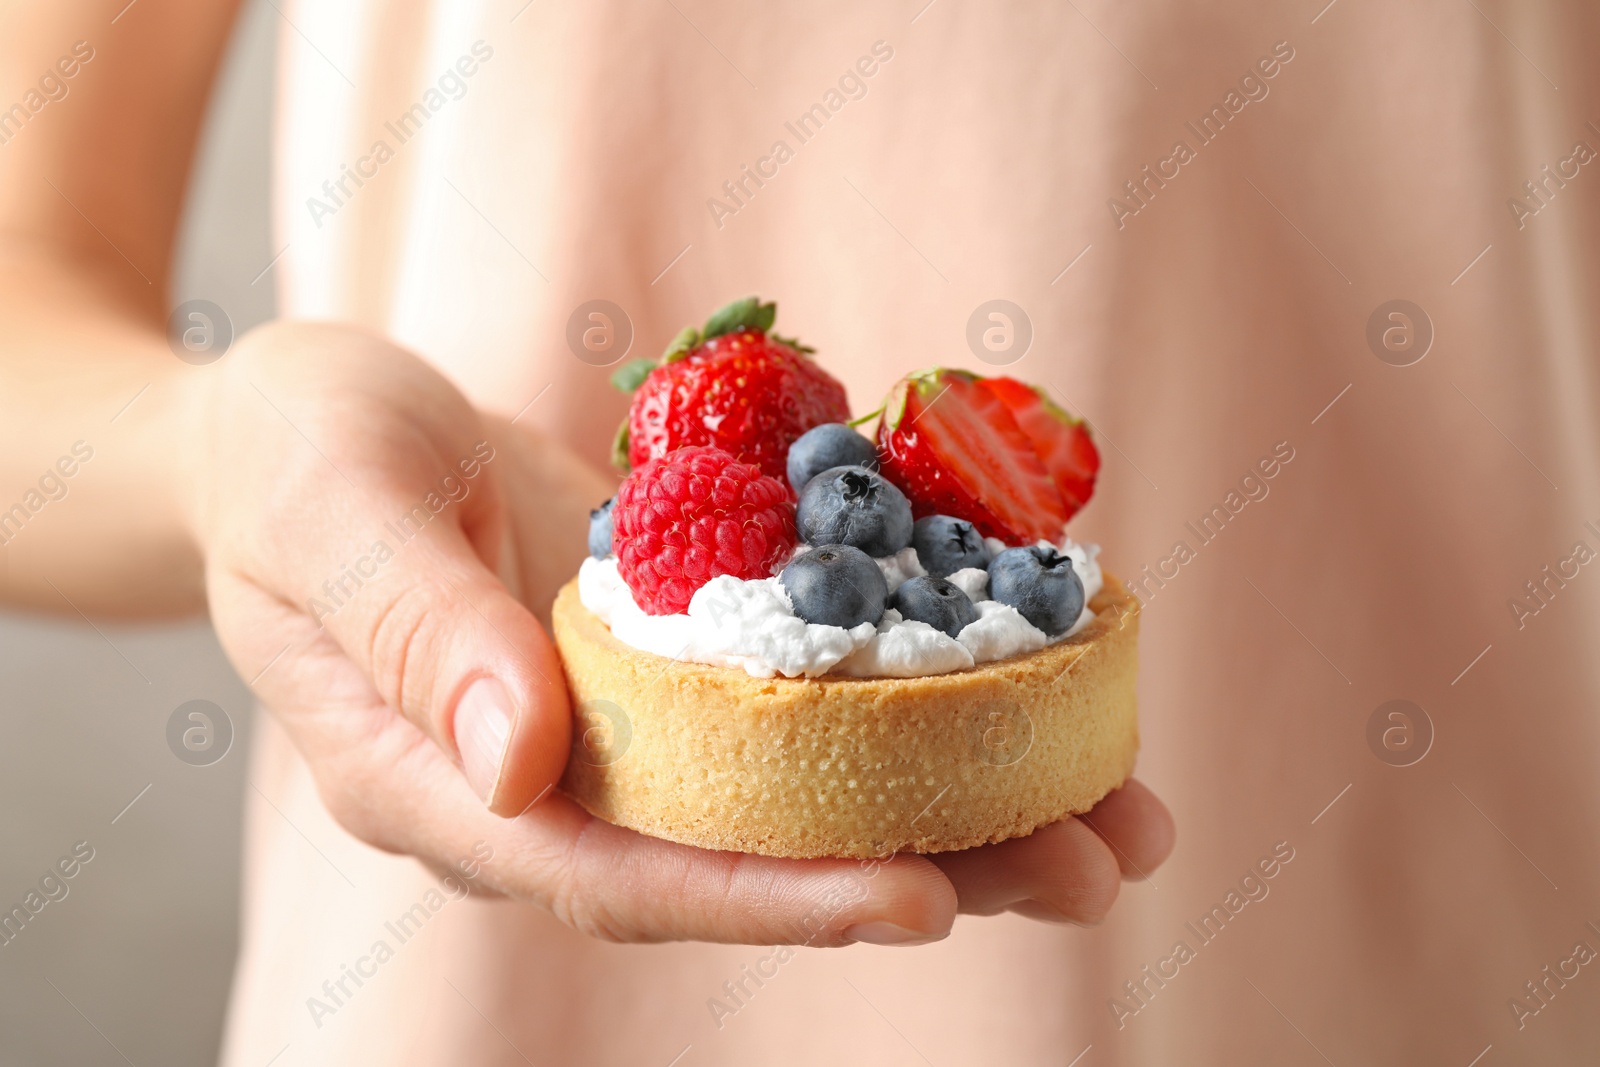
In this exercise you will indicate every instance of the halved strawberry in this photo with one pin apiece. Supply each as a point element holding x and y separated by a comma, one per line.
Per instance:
<point>954,448</point>
<point>1061,441</point>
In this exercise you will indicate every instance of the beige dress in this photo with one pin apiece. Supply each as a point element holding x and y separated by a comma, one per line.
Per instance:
<point>1205,216</point>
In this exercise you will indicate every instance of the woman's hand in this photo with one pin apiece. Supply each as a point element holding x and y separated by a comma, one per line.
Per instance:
<point>378,557</point>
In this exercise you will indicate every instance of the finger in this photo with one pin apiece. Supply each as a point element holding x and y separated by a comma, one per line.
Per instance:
<point>625,886</point>
<point>1137,827</point>
<point>1063,872</point>
<point>400,793</point>
<point>347,682</point>
<point>375,510</point>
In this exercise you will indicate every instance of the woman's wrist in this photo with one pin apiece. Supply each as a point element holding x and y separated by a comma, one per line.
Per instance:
<point>197,413</point>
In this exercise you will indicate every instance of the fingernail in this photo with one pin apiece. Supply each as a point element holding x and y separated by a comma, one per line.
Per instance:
<point>483,726</point>
<point>881,933</point>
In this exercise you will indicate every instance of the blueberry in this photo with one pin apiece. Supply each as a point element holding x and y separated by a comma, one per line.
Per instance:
<point>1041,584</point>
<point>936,602</point>
<point>600,526</point>
<point>833,444</point>
<point>835,585</point>
<point>946,544</point>
<point>856,507</point>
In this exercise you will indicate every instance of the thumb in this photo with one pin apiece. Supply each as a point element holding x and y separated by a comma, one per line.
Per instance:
<point>446,644</point>
<point>421,614</point>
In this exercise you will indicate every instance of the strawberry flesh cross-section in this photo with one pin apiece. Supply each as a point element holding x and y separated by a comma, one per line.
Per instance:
<point>954,446</point>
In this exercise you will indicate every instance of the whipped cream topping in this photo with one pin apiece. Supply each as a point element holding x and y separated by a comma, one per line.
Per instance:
<point>750,624</point>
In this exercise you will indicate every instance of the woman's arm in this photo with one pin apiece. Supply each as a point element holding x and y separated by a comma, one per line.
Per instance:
<point>100,104</point>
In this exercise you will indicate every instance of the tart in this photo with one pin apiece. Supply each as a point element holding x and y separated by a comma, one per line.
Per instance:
<point>849,767</point>
<point>795,640</point>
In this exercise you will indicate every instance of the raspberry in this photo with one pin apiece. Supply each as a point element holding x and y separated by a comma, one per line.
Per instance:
<point>693,514</point>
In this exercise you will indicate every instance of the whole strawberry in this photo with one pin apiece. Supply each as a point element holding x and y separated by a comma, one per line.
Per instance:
<point>733,385</point>
<point>693,514</point>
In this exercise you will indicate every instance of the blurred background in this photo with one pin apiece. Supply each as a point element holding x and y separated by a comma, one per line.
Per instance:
<point>1422,903</point>
<point>140,951</point>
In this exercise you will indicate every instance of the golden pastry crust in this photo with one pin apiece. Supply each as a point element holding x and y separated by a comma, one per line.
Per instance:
<point>849,767</point>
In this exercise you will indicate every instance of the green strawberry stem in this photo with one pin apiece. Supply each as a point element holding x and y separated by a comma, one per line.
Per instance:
<point>619,449</point>
<point>868,417</point>
<point>687,339</point>
<point>746,314</point>
<point>628,377</point>
<point>794,343</point>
